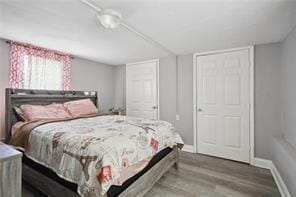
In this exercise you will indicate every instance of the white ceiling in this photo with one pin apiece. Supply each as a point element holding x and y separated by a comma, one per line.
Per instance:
<point>183,26</point>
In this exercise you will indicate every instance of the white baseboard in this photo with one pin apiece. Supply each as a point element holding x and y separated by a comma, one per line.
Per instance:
<point>280,182</point>
<point>268,164</point>
<point>263,163</point>
<point>188,148</point>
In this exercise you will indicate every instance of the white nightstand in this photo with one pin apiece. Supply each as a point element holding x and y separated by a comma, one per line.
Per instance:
<point>10,171</point>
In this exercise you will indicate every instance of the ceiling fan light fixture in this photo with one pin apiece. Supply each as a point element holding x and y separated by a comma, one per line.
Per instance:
<point>110,18</point>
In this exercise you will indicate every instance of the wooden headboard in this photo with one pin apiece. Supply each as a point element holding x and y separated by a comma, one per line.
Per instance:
<point>17,97</point>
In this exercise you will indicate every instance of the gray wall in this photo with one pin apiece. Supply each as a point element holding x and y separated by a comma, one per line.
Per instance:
<point>267,97</point>
<point>288,87</point>
<point>275,107</point>
<point>284,159</point>
<point>167,89</point>
<point>168,97</point>
<point>284,144</point>
<point>185,97</point>
<point>85,75</point>
<point>119,90</point>
<point>89,75</point>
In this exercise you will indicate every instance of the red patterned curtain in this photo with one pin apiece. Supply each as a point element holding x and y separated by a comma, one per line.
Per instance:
<point>37,68</point>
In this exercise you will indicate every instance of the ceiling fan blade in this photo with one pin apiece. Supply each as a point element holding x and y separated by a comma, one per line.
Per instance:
<point>91,5</point>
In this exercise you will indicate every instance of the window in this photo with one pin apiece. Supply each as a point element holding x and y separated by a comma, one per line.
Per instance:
<point>36,68</point>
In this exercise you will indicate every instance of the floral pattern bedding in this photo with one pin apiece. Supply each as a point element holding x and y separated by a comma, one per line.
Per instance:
<point>97,152</point>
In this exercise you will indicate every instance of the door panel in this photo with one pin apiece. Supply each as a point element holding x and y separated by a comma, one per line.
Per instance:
<point>148,95</point>
<point>142,89</point>
<point>232,134</point>
<point>136,93</point>
<point>209,126</point>
<point>223,105</point>
<point>232,89</point>
<point>209,89</point>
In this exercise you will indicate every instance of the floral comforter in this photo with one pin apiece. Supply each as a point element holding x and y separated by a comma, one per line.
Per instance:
<point>98,152</point>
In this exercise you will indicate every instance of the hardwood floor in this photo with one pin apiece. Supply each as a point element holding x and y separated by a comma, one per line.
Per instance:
<point>200,175</point>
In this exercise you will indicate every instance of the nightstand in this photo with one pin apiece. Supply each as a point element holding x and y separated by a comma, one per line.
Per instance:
<point>10,171</point>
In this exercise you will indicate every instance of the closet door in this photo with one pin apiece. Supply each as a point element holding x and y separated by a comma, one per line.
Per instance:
<point>223,98</point>
<point>142,89</point>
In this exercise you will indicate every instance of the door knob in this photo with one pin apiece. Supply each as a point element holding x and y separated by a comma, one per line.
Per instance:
<point>199,109</point>
<point>154,107</point>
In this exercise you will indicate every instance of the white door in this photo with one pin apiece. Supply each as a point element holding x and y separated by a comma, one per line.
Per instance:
<point>223,100</point>
<point>142,89</point>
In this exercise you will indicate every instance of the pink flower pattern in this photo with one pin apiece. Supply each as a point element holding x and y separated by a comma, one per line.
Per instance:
<point>105,174</point>
<point>154,144</point>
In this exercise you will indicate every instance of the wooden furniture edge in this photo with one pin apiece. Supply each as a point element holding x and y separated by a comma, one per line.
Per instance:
<point>10,171</point>
<point>45,184</point>
<point>142,185</point>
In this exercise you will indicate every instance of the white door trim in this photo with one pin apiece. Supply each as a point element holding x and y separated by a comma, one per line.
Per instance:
<point>157,80</point>
<point>251,56</point>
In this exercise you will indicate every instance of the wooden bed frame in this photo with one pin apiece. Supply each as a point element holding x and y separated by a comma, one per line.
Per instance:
<point>17,97</point>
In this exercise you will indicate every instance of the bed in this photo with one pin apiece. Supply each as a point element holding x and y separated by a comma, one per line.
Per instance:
<point>50,182</point>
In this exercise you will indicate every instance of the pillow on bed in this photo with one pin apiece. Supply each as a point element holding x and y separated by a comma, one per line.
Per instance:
<point>20,113</point>
<point>37,112</point>
<point>80,107</point>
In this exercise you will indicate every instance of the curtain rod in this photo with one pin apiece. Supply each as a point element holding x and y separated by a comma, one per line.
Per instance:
<point>61,53</point>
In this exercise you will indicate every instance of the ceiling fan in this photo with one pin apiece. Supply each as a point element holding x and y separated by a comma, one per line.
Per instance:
<point>111,19</point>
